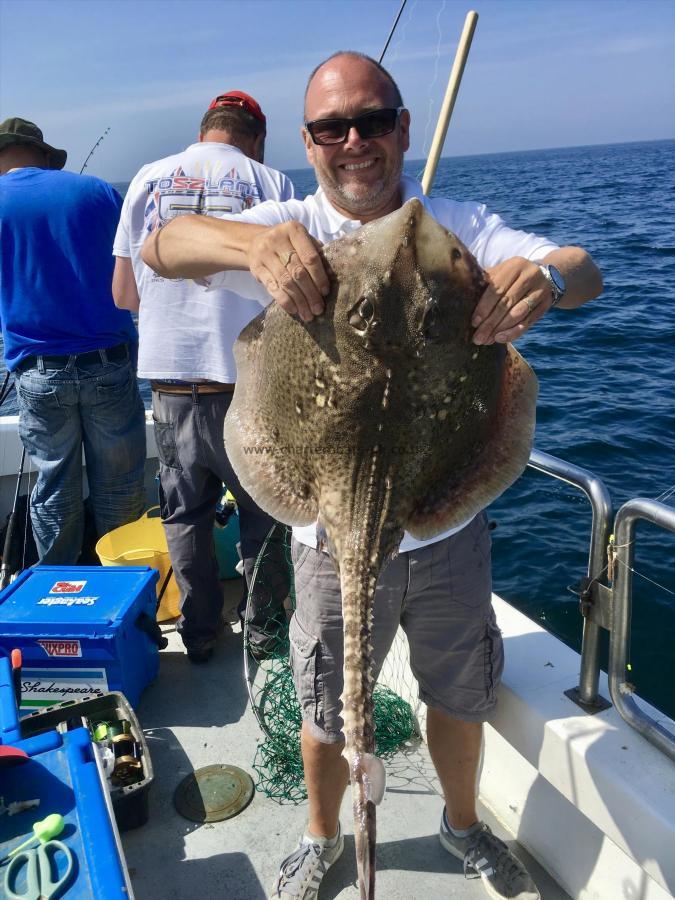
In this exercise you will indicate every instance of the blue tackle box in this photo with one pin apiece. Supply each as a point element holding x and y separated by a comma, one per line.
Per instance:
<point>63,774</point>
<point>82,632</point>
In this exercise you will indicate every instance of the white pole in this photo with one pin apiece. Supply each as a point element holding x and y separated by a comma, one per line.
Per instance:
<point>449,100</point>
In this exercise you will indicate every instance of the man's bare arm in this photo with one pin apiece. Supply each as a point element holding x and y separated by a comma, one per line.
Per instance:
<point>197,246</point>
<point>124,288</point>
<point>284,258</point>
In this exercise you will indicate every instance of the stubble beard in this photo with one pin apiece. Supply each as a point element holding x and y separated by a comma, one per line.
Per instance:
<point>374,197</point>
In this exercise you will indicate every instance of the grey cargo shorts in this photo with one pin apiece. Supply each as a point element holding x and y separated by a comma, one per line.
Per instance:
<point>440,594</point>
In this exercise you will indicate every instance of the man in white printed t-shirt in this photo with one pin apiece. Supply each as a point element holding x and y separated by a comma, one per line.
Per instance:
<point>185,347</point>
<point>356,131</point>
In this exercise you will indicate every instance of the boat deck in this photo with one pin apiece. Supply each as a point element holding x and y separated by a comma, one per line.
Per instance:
<point>195,716</point>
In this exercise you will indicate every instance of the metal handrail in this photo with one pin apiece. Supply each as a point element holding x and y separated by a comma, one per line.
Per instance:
<point>601,505</point>
<point>620,690</point>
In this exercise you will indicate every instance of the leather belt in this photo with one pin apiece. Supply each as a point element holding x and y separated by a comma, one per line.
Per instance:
<point>199,387</point>
<point>118,353</point>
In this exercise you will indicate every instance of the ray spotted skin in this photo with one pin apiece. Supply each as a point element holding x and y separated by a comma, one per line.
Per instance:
<point>377,416</point>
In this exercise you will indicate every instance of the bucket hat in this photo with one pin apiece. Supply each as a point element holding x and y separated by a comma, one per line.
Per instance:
<point>21,131</point>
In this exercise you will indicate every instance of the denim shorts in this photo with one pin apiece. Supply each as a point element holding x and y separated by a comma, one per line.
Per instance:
<point>440,594</point>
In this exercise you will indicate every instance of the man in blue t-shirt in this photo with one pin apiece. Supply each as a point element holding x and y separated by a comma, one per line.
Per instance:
<point>71,350</point>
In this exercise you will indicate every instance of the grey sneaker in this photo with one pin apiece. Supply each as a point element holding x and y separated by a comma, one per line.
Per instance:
<point>301,873</point>
<point>487,857</point>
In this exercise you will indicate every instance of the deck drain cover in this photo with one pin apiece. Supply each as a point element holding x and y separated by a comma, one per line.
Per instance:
<point>213,793</point>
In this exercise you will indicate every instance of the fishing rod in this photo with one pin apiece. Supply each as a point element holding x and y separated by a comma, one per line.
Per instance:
<point>393,29</point>
<point>449,100</point>
<point>91,152</point>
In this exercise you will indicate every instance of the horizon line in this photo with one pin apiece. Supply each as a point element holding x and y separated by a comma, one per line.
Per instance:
<point>422,160</point>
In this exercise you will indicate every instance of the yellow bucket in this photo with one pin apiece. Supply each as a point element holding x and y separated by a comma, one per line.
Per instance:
<point>143,543</point>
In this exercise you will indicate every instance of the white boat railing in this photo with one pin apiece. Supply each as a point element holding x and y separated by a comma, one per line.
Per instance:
<point>606,601</point>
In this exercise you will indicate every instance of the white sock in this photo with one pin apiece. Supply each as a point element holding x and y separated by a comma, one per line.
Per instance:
<point>459,832</point>
<point>327,842</point>
<point>462,832</point>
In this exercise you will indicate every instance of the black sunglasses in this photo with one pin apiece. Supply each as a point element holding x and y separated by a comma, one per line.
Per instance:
<point>369,125</point>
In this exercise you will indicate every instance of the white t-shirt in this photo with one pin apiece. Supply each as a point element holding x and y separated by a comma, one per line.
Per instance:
<point>185,331</point>
<point>485,234</point>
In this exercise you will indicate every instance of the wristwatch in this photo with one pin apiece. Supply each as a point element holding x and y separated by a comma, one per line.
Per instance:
<point>556,282</point>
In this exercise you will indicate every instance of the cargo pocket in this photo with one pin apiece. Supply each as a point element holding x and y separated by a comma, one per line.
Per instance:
<point>166,444</point>
<point>305,652</point>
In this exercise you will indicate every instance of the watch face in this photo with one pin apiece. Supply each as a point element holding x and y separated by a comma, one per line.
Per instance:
<point>557,279</point>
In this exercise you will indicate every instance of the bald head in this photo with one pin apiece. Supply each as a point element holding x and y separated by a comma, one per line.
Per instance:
<point>357,65</point>
<point>359,175</point>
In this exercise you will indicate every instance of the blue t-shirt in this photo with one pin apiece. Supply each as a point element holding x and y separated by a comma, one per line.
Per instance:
<point>56,265</point>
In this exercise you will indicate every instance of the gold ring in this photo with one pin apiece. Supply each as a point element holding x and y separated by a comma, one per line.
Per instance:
<point>286,257</point>
<point>531,305</point>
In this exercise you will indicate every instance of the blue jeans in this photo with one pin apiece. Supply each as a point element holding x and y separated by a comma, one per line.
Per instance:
<point>93,406</point>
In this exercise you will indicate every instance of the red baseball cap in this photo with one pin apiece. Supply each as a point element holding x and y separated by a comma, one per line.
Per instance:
<point>243,101</point>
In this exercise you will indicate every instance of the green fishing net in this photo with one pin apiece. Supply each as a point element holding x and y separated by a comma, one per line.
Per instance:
<point>271,601</point>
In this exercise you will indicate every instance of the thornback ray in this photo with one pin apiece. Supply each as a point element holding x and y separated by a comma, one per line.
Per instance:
<point>378,416</point>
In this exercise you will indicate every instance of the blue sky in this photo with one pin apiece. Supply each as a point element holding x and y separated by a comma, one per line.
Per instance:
<point>542,73</point>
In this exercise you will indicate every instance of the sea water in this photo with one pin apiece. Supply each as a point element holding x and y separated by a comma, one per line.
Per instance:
<point>606,376</point>
<point>606,379</point>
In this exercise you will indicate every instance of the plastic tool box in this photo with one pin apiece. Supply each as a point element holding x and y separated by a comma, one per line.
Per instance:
<point>130,801</point>
<point>82,631</point>
<point>63,774</point>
